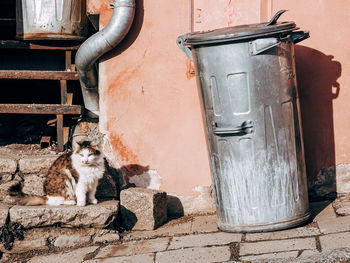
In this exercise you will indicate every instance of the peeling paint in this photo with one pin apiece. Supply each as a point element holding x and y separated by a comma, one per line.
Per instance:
<point>122,150</point>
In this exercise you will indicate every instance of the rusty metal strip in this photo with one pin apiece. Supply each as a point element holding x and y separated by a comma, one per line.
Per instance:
<point>48,75</point>
<point>41,109</point>
<point>16,44</point>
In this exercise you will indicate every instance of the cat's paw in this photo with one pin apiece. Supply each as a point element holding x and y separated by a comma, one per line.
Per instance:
<point>81,204</point>
<point>93,201</point>
<point>69,202</point>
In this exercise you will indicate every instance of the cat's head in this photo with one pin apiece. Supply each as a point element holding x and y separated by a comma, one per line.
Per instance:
<point>87,153</point>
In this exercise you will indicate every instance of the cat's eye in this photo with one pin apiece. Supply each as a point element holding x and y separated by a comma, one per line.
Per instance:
<point>82,155</point>
<point>90,154</point>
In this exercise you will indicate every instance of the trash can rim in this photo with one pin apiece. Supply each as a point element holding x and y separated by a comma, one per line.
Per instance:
<point>236,33</point>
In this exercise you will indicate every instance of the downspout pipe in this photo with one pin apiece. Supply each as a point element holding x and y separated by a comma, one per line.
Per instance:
<point>99,44</point>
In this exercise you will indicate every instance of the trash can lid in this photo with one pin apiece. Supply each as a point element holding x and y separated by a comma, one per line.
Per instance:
<point>241,32</point>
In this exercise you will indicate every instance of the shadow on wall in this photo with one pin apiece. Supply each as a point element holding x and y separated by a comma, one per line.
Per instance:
<point>132,34</point>
<point>317,76</point>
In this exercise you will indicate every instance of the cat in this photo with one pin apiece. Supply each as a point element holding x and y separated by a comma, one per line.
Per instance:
<point>72,178</point>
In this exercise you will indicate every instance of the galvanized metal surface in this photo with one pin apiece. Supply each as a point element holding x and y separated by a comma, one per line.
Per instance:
<point>97,45</point>
<point>251,106</point>
<point>51,19</point>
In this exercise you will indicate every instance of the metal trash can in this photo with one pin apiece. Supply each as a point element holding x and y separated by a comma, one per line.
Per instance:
<point>247,81</point>
<point>51,19</point>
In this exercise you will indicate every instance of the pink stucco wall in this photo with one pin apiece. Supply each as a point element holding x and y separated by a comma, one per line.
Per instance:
<point>149,103</point>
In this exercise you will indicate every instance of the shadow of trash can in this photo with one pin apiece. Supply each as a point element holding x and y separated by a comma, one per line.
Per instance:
<point>247,81</point>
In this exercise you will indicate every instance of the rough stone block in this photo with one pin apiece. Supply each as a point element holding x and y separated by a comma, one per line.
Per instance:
<point>143,209</point>
<point>4,211</point>
<point>71,240</point>
<point>4,187</point>
<point>106,236</point>
<point>33,185</point>
<point>8,165</point>
<point>98,215</point>
<point>36,164</point>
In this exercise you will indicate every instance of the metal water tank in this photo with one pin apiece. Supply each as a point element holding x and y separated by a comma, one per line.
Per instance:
<point>51,19</point>
<point>247,81</point>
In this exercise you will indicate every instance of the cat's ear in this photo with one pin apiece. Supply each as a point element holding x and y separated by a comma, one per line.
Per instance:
<point>77,145</point>
<point>95,144</point>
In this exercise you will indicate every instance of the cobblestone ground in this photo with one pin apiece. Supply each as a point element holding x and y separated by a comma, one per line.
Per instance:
<point>197,239</point>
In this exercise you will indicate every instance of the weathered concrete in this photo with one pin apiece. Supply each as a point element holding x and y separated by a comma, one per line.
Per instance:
<point>339,224</point>
<point>278,255</point>
<point>204,224</point>
<point>322,211</point>
<point>264,247</point>
<point>343,178</point>
<point>134,247</point>
<point>42,238</point>
<point>195,255</point>
<point>141,258</point>
<point>92,215</point>
<point>203,240</point>
<point>143,209</point>
<point>74,256</point>
<point>284,234</point>
<point>333,241</point>
<point>171,228</point>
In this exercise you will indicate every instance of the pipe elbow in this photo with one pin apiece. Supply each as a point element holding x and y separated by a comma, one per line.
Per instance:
<point>99,44</point>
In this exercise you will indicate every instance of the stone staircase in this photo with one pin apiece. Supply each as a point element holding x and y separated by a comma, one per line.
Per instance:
<point>27,228</point>
<point>46,229</point>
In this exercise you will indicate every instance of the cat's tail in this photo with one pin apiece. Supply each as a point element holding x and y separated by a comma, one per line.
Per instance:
<point>32,200</point>
<point>16,196</point>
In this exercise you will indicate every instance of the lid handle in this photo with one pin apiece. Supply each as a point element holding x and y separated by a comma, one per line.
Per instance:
<point>275,18</point>
<point>180,41</point>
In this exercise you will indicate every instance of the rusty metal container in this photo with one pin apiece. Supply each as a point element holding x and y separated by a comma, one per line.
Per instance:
<point>51,19</point>
<point>247,81</point>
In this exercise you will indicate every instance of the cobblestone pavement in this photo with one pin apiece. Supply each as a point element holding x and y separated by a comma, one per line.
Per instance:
<point>197,239</point>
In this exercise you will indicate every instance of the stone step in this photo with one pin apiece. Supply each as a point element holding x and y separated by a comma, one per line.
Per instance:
<point>100,215</point>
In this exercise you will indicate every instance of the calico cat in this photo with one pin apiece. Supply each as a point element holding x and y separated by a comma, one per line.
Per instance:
<point>72,178</point>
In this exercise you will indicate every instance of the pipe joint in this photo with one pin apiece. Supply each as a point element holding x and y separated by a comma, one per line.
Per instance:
<point>122,3</point>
